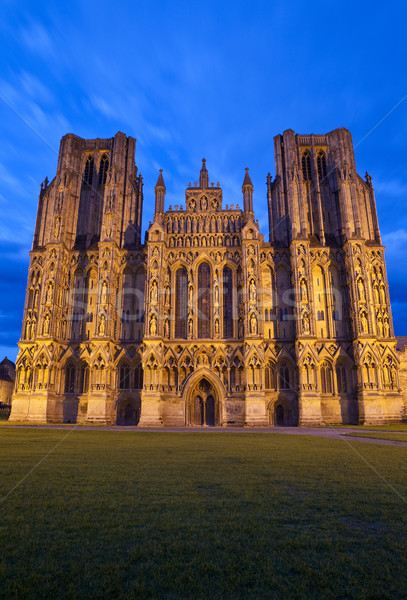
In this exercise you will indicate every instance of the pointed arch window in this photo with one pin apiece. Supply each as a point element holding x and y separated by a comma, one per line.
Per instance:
<point>321,165</point>
<point>227,303</point>
<point>69,379</point>
<point>124,377</point>
<point>326,378</point>
<point>84,379</point>
<point>89,167</point>
<point>104,166</point>
<point>204,301</point>
<point>306,166</point>
<point>284,377</point>
<point>138,377</point>
<point>181,303</point>
<point>341,379</point>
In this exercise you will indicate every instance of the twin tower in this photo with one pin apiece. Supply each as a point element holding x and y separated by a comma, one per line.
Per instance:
<point>205,323</point>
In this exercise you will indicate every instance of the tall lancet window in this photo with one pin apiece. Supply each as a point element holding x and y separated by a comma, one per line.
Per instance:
<point>89,166</point>
<point>204,301</point>
<point>321,164</point>
<point>227,303</point>
<point>306,166</point>
<point>181,303</point>
<point>104,166</point>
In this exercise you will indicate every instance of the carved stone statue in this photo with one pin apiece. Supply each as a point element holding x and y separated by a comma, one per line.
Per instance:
<point>216,294</point>
<point>253,324</point>
<point>252,289</point>
<point>153,325</point>
<point>305,322</point>
<point>304,293</point>
<point>45,329</point>
<point>240,328</point>
<point>167,296</point>
<point>154,293</point>
<point>57,227</point>
<point>365,326</point>
<point>361,289</point>
<point>49,294</point>
<point>166,328</point>
<point>103,295</point>
<point>102,324</point>
<point>386,328</point>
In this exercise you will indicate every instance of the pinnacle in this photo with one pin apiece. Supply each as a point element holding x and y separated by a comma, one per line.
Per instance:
<point>160,180</point>
<point>247,180</point>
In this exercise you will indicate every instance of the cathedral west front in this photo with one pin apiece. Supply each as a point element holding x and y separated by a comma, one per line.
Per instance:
<point>206,323</point>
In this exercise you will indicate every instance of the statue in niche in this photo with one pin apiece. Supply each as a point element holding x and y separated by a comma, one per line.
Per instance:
<point>376,294</point>
<point>190,295</point>
<point>216,327</point>
<point>103,295</point>
<point>154,293</point>
<point>305,322</point>
<point>190,327</point>
<point>382,295</point>
<point>380,326</point>
<point>252,289</point>
<point>216,294</point>
<point>49,294</point>
<point>102,324</point>
<point>166,328</point>
<point>204,203</point>
<point>386,328</point>
<point>153,325</point>
<point>253,324</point>
<point>57,227</point>
<point>304,292</point>
<point>240,328</point>
<point>361,289</point>
<point>167,296</point>
<point>365,326</point>
<point>45,329</point>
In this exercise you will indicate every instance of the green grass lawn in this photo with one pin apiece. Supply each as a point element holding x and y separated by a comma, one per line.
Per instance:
<point>396,437</point>
<point>194,515</point>
<point>390,427</point>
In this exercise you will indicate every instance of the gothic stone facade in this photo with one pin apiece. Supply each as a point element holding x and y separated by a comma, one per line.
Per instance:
<point>206,323</point>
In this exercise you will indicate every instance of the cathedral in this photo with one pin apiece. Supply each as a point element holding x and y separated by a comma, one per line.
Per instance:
<point>205,323</point>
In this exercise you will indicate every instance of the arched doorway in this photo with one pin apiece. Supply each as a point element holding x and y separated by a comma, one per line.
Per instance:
<point>279,415</point>
<point>203,410</point>
<point>128,413</point>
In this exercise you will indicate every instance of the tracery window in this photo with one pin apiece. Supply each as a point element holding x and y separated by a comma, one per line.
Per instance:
<point>84,379</point>
<point>341,379</point>
<point>89,166</point>
<point>124,377</point>
<point>138,377</point>
<point>69,378</point>
<point>181,303</point>
<point>204,301</point>
<point>321,165</point>
<point>306,166</point>
<point>104,166</point>
<point>227,303</point>
<point>326,378</point>
<point>284,377</point>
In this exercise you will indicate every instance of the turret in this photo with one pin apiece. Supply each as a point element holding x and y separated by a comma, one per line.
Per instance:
<point>203,176</point>
<point>247,189</point>
<point>160,194</point>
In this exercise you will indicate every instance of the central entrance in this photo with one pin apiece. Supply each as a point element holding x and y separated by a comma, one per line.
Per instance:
<point>203,408</point>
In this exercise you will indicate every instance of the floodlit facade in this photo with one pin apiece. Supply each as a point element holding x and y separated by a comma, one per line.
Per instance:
<point>206,323</point>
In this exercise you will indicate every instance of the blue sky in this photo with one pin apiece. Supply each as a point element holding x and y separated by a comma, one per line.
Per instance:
<point>194,79</point>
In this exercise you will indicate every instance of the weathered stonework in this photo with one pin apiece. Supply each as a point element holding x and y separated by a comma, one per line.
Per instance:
<point>206,323</point>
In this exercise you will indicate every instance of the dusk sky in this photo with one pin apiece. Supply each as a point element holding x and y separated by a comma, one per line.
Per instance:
<point>198,79</point>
